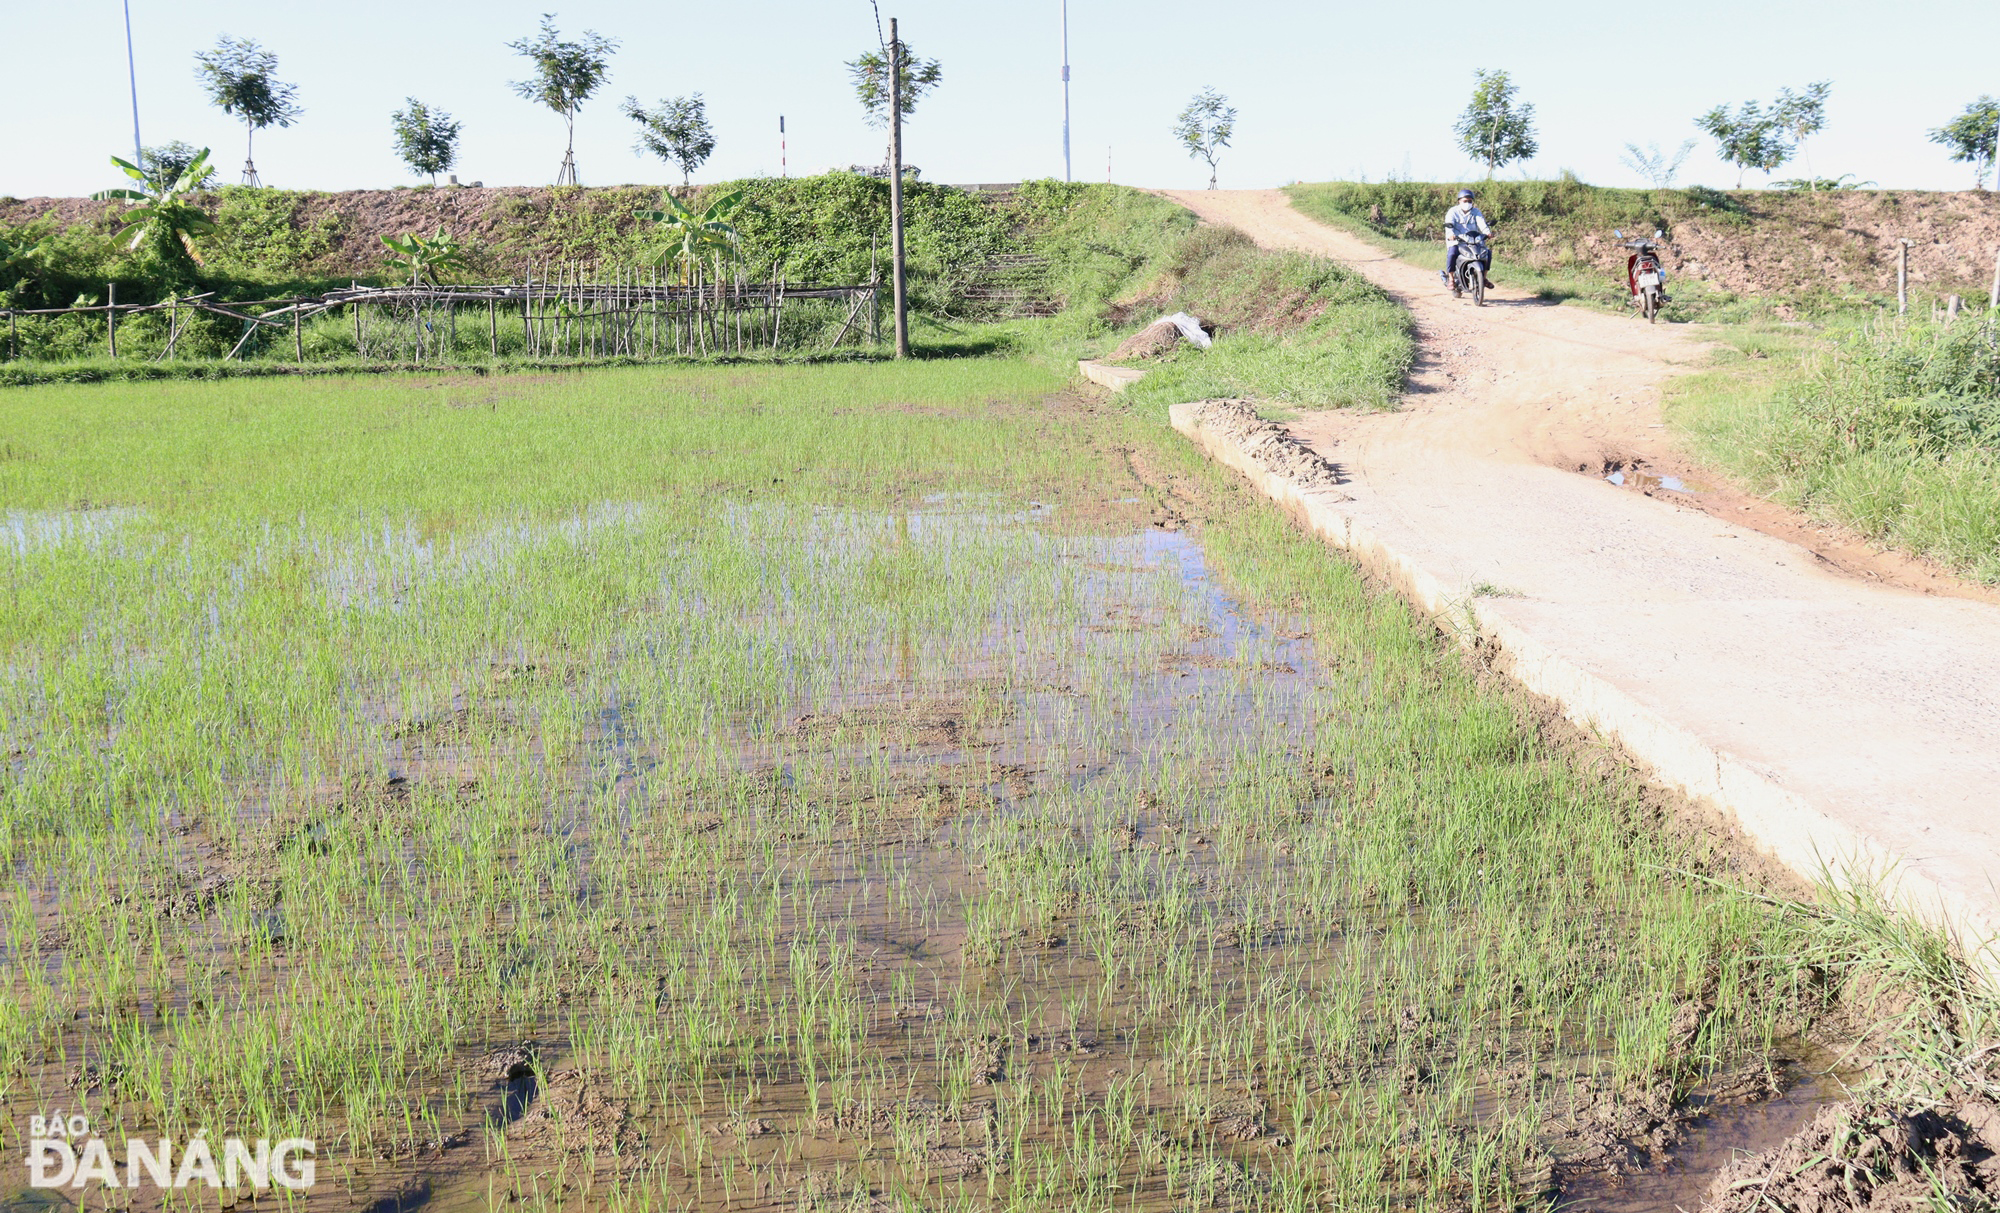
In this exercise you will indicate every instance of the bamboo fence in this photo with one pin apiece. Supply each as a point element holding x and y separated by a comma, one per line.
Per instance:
<point>567,309</point>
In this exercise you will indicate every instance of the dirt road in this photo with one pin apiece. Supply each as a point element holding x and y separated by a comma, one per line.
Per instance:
<point>1841,719</point>
<point>1524,380</point>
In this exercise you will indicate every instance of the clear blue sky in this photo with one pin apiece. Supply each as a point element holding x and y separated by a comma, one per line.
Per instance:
<point>1324,90</point>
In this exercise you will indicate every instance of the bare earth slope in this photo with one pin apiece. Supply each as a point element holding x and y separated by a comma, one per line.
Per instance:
<point>1841,719</point>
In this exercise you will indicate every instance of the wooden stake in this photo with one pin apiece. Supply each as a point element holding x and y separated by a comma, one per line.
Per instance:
<point>298,337</point>
<point>1902,277</point>
<point>778,315</point>
<point>492,328</point>
<point>111,316</point>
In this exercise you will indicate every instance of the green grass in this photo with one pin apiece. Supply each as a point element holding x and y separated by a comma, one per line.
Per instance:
<point>842,750</point>
<point>1890,429</point>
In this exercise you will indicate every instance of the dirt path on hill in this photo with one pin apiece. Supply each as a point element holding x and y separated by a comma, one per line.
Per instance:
<point>1522,380</point>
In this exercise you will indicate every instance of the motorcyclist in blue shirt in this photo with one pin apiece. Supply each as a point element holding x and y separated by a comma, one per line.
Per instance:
<point>1459,221</point>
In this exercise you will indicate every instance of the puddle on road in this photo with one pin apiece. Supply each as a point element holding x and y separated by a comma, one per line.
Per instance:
<point>1645,482</point>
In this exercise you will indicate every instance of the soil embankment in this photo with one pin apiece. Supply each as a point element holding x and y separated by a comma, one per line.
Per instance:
<point>1840,722</point>
<point>1746,242</point>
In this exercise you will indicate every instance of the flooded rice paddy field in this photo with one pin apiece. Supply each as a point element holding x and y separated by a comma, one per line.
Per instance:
<point>839,788</point>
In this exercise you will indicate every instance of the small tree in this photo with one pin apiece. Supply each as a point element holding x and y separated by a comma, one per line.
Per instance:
<point>1205,127</point>
<point>1655,165</point>
<point>1494,129</point>
<point>165,164</point>
<point>1972,137</point>
<point>566,74</point>
<point>1748,138</point>
<point>870,74</point>
<point>239,76</point>
<point>426,138</point>
<point>677,132</point>
<point>1801,116</point>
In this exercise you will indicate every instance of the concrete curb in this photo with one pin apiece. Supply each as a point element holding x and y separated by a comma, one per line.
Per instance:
<point>1774,820</point>
<point>1116,378</point>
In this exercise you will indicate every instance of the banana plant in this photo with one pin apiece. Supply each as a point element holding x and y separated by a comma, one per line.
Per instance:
<point>164,217</point>
<point>689,237</point>
<point>424,255</point>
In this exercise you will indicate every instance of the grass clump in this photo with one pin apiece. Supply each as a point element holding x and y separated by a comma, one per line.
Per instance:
<point>1890,428</point>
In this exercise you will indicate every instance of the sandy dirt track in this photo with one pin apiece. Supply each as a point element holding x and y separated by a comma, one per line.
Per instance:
<point>1873,709</point>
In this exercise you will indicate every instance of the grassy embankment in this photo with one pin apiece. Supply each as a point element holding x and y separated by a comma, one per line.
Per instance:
<point>1839,410</point>
<point>1889,428</point>
<point>828,783</point>
<point>1297,330</point>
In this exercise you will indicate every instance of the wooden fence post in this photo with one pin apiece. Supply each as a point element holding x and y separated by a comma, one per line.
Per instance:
<point>1902,277</point>
<point>111,316</point>
<point>298,338</point>
<point>492,328</point>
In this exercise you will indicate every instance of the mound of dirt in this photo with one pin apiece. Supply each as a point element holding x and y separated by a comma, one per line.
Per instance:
<point>1267,443</point>
<point>1156,340</point>
<point>1872,1156</point>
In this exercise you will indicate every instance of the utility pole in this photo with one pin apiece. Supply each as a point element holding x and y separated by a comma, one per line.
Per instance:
<point>132,75</point>
<point>896,189</point>
<point>1065,33</point>
<point>781,147</point>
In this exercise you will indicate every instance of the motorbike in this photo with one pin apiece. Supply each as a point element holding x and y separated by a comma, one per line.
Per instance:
<point>1644,276</point>
<point>1470,276</point>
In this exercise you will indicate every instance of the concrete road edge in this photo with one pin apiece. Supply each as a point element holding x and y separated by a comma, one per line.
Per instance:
<point>1771,819</point>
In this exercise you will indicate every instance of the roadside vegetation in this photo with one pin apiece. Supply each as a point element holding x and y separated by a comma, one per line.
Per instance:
<point>1889,428</point>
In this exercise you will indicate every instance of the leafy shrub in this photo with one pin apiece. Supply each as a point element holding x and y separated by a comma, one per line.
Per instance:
<point>1933,390</point>
<point>1894,432</point>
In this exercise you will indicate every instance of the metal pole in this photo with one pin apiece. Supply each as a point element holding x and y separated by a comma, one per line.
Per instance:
<point>132,75</point>
<point>781,147</point>
<point>896,190</point>
<point>1065,82</point>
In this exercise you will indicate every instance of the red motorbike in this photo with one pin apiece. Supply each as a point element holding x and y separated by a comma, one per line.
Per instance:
<point>1644,276</point>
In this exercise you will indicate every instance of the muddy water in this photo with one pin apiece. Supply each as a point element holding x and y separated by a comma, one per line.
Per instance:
<point>1720,1129</point>
<point>1005,862</point>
